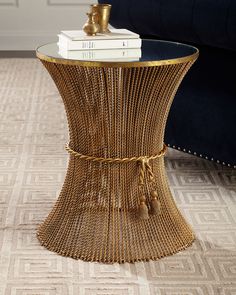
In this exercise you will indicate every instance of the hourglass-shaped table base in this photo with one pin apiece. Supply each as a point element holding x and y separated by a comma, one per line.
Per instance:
<point>115,112</point>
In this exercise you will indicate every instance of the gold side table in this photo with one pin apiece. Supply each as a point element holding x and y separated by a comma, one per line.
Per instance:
<point>115,204</point>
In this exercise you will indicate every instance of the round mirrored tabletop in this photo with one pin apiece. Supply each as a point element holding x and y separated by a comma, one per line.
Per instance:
<point>151,53</point>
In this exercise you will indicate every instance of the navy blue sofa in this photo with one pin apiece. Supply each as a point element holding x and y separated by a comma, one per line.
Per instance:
<point>202,120</point>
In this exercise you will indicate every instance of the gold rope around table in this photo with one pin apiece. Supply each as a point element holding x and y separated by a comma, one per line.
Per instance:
<point>144,166</point>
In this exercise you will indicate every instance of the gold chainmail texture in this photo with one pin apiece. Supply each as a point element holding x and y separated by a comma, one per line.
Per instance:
<point>144,166</point>
<point>116,113</point>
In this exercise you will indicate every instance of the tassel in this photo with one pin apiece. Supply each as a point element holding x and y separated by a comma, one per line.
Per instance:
<point>155,203</point>
<point>155,207</point>
<point>154,194</point>
<point>143,211</point>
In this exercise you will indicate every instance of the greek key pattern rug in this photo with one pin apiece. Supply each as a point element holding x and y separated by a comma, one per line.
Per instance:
<point>33,132</point>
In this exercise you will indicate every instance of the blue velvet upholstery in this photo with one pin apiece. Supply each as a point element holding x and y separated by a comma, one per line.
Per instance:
<point>204,22</point>
<point>203,116</point>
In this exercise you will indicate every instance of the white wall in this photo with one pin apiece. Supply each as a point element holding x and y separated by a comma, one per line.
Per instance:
<point>25,24</point>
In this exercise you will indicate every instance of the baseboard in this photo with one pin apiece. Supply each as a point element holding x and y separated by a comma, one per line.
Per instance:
<point>17,54</point>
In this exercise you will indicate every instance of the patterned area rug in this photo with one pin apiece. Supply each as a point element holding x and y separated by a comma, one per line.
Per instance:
<point>33,131</point>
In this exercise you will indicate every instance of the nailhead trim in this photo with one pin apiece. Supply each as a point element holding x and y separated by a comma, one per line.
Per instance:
<point>201,156</point>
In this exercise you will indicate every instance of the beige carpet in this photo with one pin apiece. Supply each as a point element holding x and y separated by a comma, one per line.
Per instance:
<point>33,161</point>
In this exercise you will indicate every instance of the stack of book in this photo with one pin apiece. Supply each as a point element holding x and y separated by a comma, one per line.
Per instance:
<point>118,45</point>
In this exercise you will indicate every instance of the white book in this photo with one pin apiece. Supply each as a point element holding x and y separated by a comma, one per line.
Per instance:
<point>80,35</point>
<point>132,54</point>
<point>67,44</point>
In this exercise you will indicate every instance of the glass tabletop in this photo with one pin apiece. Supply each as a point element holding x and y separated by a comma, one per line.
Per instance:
<point>152,52</point>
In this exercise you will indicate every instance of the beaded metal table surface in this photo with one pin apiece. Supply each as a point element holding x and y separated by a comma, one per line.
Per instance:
<point>115,204</point>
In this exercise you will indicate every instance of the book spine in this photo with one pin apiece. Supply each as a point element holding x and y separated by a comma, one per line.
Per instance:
<point>113,35</point>
<point>101,54</point>
<point>99,44</point>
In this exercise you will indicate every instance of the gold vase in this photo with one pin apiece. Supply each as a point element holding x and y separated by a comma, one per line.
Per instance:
<point>102,17</point>
<point>91,27</point>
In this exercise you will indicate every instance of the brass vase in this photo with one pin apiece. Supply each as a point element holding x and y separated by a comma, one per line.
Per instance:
<point>91,27</point>
<point>102,17</point>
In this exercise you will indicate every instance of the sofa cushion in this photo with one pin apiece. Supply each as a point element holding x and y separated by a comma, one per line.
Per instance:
<point>202,118</point>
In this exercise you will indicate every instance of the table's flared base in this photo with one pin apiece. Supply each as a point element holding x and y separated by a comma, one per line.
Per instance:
<point>154,256</point>
<point>108,234</point>
<point>155,249</point>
